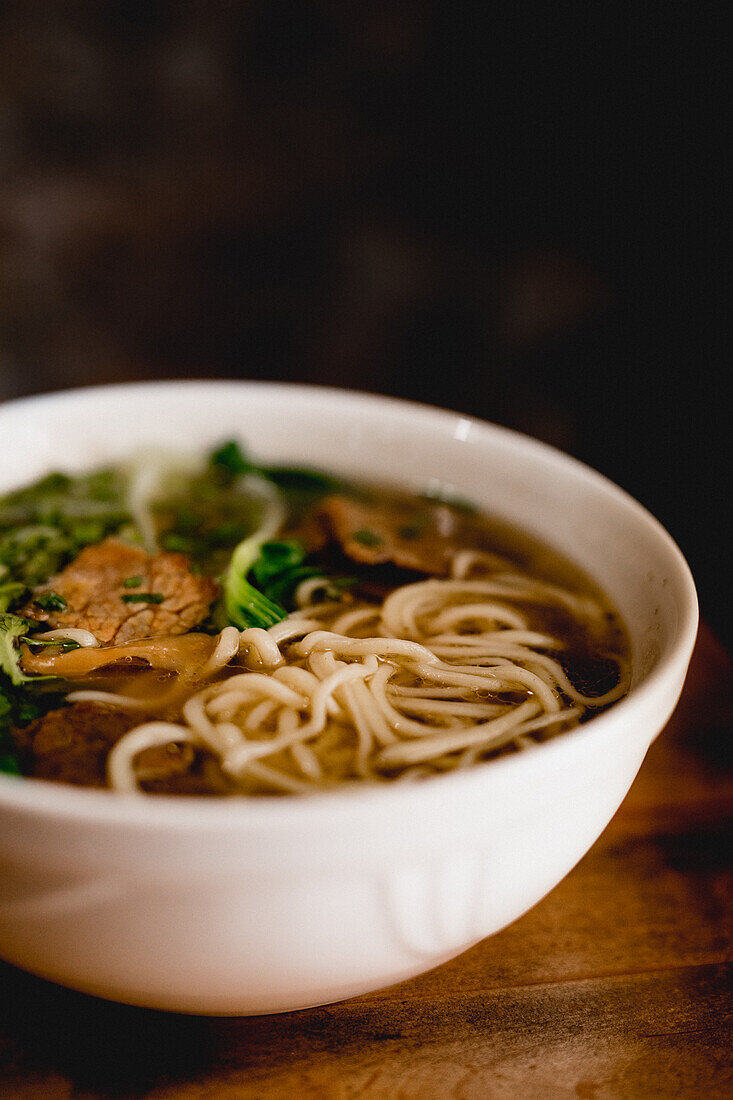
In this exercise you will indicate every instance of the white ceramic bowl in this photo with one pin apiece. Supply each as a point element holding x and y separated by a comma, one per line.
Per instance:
<point>274,904</point>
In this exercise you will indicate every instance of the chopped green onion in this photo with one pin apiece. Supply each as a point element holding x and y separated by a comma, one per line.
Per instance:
<point>143,597</point>
<point>367,537</point>
<point>65,644</point>
<point>51,601</point>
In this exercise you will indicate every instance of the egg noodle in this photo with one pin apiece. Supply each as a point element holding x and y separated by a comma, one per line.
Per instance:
<point>444,673</point>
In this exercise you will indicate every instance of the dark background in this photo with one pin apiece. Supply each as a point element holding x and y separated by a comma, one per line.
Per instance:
<point>512,212</point>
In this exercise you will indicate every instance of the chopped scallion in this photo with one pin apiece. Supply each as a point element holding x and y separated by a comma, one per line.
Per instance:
<point>143,597</point>
<point>51,601</point>
<point>367,537</point>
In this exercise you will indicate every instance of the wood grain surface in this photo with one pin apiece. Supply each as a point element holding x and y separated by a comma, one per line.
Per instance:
<point>618,984</point>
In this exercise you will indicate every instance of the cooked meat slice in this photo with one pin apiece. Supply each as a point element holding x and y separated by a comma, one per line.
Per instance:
<point>71,745</point>
<point>103,590</point>
<point>422,537</point>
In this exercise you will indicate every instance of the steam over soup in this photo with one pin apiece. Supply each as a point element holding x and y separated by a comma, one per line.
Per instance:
<point>212,626</point>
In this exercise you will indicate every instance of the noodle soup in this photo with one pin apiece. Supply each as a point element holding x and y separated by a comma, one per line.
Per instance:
<point>218,627</point>
<point>310,898</point>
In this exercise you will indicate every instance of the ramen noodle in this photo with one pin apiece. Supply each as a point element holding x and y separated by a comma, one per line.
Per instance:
<point>212,626</point>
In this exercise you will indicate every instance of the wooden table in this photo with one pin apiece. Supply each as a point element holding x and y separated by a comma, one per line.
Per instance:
<point>619,984</point>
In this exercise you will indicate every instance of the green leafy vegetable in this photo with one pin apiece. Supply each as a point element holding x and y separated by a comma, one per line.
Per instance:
<point>9,762</point>
<point>229,460</point>
<point>244,605</point>
<point>12,627</point>
<point>44,526</point>
<point>262,580</point>
<point>11,592</point>
<point>19,706</point>
<point>297,479</point>
<point>275,558</point>
<point>280,568</point>
<point>210,512</point>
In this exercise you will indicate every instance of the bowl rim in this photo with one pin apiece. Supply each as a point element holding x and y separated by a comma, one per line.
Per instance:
<point>68,802</point>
